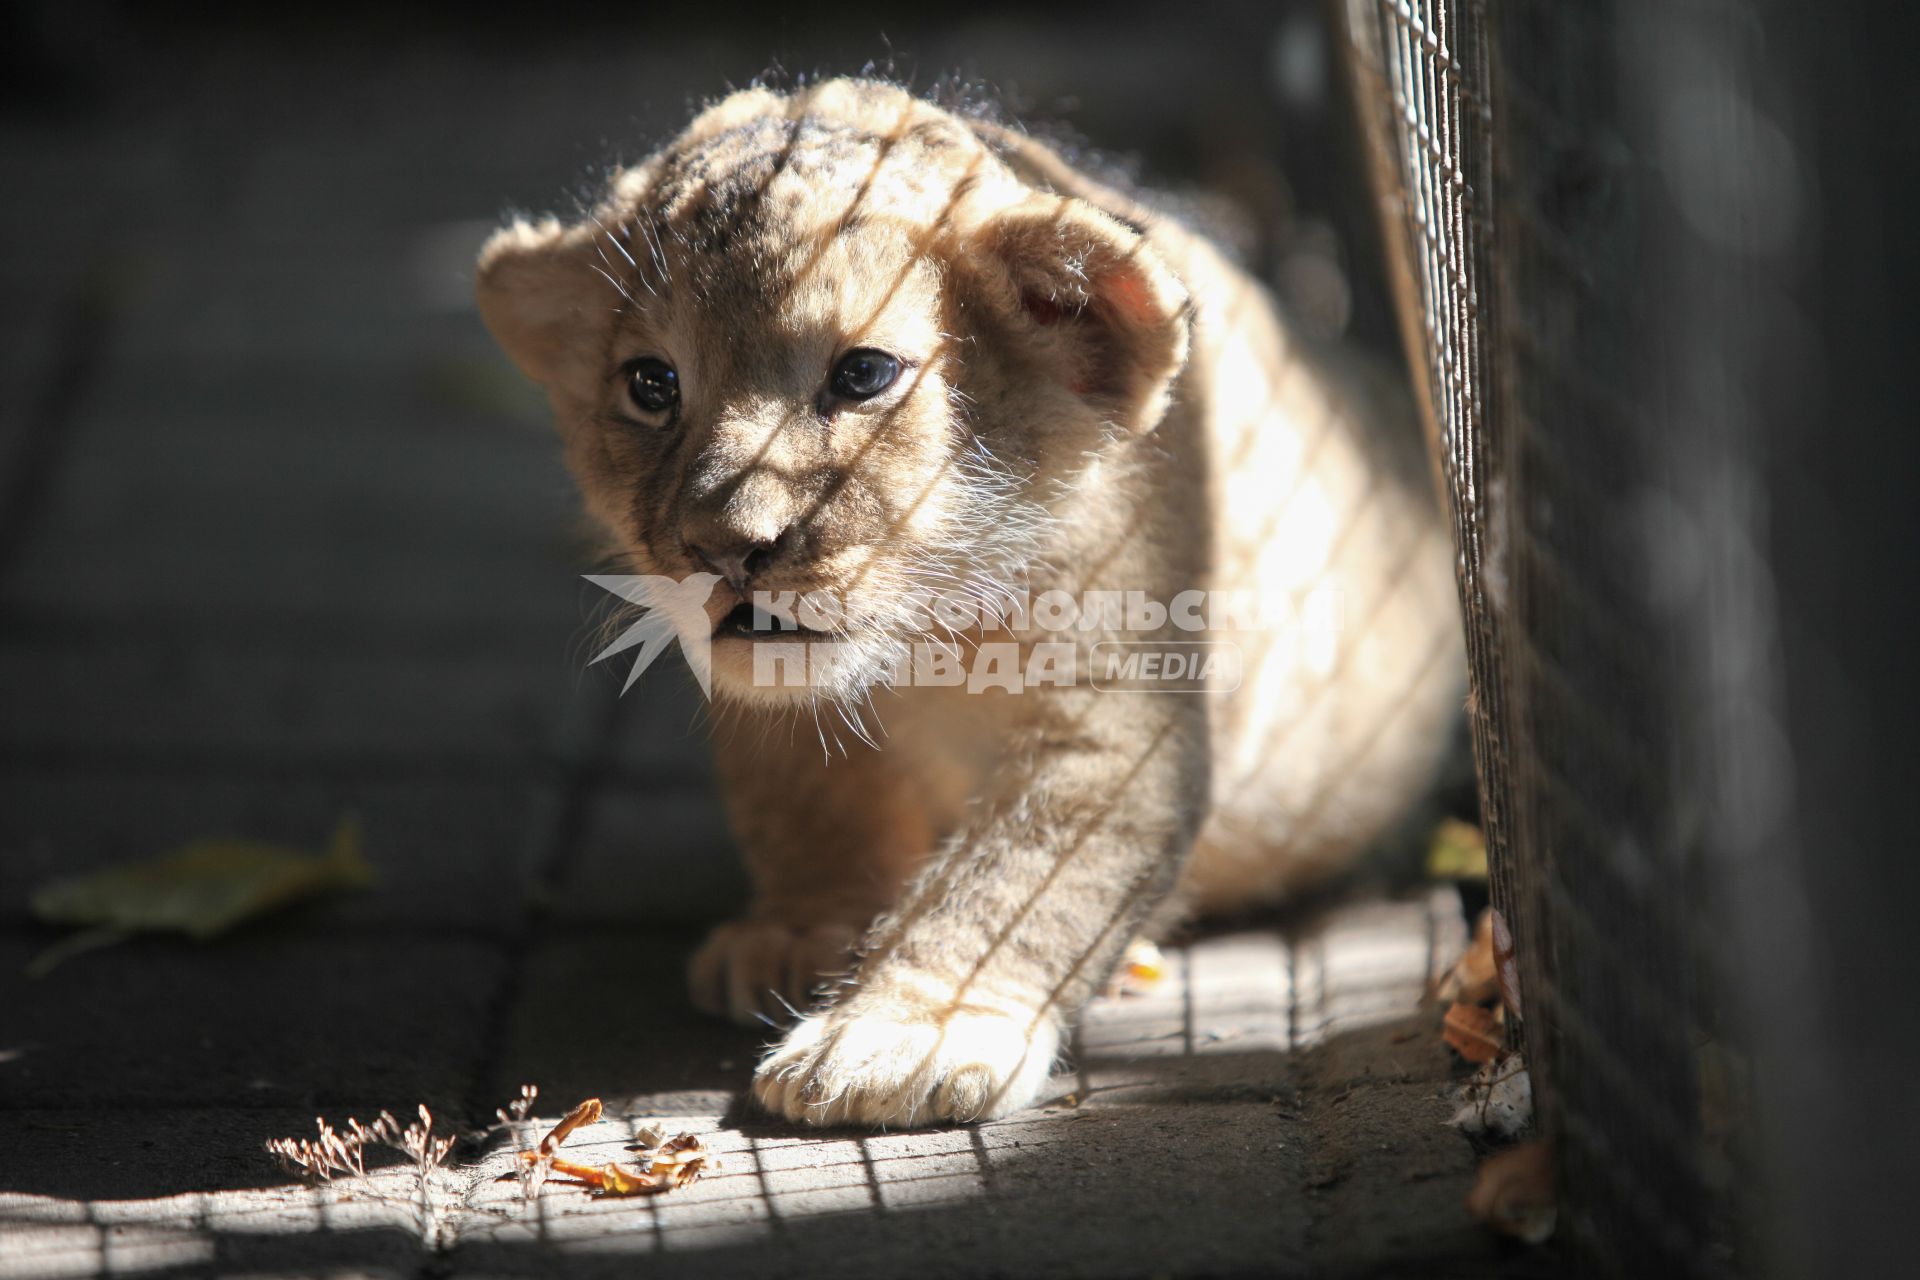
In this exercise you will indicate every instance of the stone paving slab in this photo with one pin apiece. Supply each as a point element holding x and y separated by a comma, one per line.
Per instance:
<point>270,1015</point>
<point>136,697</point>
<point>124,535</point>
<point>603,1011</point>
<point>647,857</point>
<point>405,435</point>
<point>29,355</point>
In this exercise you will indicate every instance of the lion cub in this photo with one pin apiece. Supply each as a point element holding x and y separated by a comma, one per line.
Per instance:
<point>938,403</point>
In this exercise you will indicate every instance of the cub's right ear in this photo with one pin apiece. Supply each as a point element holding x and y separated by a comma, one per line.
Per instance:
<point>1096,303</point>
<point>541,299</point>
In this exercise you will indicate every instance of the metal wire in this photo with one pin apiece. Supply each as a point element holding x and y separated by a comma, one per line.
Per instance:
<point>1573,327</point>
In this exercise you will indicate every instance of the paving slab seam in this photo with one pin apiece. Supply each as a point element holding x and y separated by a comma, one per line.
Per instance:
<point>86,332</point>
<point>569,824</point>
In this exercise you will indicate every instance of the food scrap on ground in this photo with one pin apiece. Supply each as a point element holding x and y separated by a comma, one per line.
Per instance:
<point>1496,1102</point>
<point>1514,1192</point>
<point>201,890</point>
<point>670,1163</point>
<point>1474,977</point>
<point>1140,971</point>
<point>1482,992</point>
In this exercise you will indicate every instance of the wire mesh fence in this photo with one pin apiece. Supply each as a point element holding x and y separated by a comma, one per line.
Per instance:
<point>1588,214</point>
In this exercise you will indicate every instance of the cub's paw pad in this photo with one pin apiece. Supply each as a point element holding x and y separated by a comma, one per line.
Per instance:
<point>753,970</point>
<point>896,1070</point>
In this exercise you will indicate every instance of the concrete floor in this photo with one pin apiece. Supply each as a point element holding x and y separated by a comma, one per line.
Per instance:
<point>1275,1106</point>
<point>283,537</point>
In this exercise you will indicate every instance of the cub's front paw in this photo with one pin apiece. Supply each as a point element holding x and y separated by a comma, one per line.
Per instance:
<point>752,970</point>
<point>883,1067</point>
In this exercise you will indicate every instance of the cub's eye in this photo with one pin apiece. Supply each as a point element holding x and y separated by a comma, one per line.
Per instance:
<point>863,374</point>
<point>652,386</point>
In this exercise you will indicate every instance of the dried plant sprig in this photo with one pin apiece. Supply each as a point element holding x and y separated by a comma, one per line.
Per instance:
<point>519,1109</point>
<point>511,1118</point>
<point>417,1140</point>
<point>333,1152</point>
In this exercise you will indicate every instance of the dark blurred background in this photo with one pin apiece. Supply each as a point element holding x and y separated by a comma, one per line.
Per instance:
<point>1236,104</point>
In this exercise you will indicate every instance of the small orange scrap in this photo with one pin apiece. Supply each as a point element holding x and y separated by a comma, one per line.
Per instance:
<point>1139,972</point>
<point>1482,992</point>
<point>1473,1032</point>
<point>1474,977</point>
<point>1507,963</point>
<point>670,1164</point>
<point>1514,1192</point>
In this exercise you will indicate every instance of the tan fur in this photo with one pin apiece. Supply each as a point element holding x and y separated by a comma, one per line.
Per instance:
<point>1093,400</point>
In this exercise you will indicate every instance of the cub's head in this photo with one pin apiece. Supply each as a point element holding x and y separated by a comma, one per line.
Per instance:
<point>827,347</point>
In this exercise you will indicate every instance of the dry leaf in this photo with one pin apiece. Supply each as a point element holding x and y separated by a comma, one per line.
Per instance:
<point>670,1164</point>
<point>1514,1192</point>
<point>1473,977</point>
<point>201,890</point>
<point>1474,1033</point>
<point>1457,851</point>
<point>587,1112</point>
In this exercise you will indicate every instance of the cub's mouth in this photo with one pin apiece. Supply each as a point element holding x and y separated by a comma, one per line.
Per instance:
<point>744,622</point>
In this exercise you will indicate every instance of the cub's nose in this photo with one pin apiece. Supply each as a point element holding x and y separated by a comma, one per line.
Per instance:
<point>738,561</point>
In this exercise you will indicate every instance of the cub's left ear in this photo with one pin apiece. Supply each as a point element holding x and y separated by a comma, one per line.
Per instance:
<point>1093,298</point>
<point>541,300</point>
